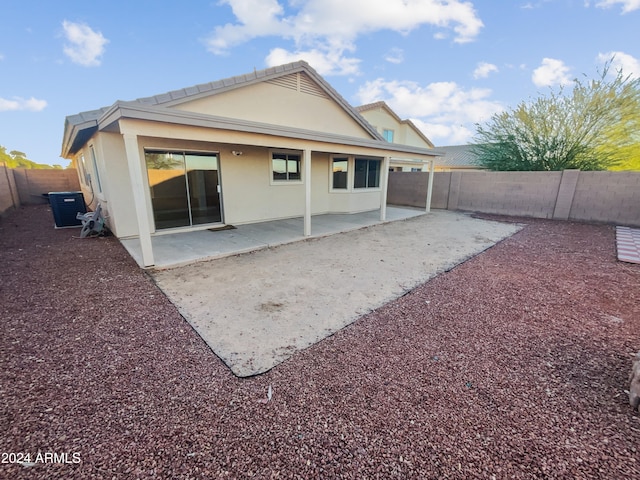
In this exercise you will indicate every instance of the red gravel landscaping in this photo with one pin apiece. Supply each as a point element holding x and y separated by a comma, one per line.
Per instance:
<point>511,365</point>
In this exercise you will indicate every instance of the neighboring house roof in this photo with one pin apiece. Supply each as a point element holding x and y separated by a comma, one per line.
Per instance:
<point>387,108</point>
<point>459,156</point>
<point>79,128</point>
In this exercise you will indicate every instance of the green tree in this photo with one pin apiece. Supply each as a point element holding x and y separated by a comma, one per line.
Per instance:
<point>18,159</point>
<point>595,125</point>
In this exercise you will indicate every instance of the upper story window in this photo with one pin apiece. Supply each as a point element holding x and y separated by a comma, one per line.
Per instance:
<point>388,135</point>
<point>286,167</point>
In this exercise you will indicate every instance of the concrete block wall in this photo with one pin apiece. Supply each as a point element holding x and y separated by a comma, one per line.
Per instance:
<point>531,194</point>
<point>9,197</point>
<point>410,189</point>
<point>32,184</point>
<point>610,197</point>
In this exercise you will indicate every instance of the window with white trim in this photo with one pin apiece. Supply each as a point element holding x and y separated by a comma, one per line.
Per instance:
<point>96,174</point>
<point>340,173</point>
<point>388,135</point>
<point>367,173</point>
<point>83,169</point>
<point>286,167</point>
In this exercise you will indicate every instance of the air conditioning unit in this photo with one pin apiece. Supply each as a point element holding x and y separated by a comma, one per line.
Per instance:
<point>65,207</point>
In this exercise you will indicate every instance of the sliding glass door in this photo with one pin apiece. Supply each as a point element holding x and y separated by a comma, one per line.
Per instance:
<point>185,188</point>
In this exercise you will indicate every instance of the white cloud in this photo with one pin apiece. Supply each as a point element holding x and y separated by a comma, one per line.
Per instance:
<point>332,26</point>
<point>551,72</point>
<point>328,62</point>
<point>627,5</point>
<point>484,69</point>
<point>16,103</point>
<point>85,46</point>
<point>395,55</point>
<point>621,61</point>
<point>447,112</point>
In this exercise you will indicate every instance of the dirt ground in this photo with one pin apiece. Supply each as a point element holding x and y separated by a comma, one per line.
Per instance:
<point>256,310</point>
<point>511,365</point>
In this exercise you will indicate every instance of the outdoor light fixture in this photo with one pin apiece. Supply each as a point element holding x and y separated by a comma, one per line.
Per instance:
<point>237,153</point>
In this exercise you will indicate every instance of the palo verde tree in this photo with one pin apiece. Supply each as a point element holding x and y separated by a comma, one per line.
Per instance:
<point>594,125</point>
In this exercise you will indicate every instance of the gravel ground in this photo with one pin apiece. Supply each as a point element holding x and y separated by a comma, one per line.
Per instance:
<point>511,365</point>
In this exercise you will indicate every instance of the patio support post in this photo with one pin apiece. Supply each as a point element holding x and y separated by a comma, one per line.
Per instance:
<point>307,192</point>
<point>384,182</point>
<point>430,185</point>
<point>138,185</point>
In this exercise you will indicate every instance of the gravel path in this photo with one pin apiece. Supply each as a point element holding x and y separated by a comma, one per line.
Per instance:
<point>511,365</point>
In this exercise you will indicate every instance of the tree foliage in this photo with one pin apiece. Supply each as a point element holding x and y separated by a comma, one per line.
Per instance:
<point>17,159</point>
<point>594,125</point>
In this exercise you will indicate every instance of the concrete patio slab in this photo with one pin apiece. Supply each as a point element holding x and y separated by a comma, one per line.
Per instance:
<point>181,248</point>
<point>258,309</point>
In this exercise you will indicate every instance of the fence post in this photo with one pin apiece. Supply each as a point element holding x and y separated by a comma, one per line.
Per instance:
<point>454,190</point>
<point>566,191</point>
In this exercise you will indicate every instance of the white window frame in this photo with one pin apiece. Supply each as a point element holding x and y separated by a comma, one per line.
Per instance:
<point>380,173</point>
<point>351,172</point>
<point>349,188</point>
<point>393,134</point>
<point>272,181</point>
<point>96,173</point>
<point>82,166</point>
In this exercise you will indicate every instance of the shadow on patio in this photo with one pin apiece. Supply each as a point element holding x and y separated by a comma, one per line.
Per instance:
<point>181,248</point>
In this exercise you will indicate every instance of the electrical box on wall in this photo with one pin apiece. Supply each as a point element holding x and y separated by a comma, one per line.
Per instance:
<point>65,207</point>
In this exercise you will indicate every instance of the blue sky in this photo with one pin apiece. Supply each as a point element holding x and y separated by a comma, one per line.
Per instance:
<point>446,65</point>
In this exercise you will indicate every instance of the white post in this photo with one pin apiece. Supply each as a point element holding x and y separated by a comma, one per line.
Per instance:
<point>306,161</point>
<point>384,180</point>
<point>430,185</point>
<point>139,186</point>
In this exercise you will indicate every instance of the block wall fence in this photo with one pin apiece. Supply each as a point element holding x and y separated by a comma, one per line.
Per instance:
<point>20,186</point>
<point>609,197</point>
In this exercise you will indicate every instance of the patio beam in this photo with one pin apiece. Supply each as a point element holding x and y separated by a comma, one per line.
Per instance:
<point>138,186</point>
<point>306,162</point>
<point>384,180</point>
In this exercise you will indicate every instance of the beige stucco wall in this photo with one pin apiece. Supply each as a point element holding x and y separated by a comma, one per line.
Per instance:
<point>248,193</point>
<point>403,133</point>
<point>277,105</point>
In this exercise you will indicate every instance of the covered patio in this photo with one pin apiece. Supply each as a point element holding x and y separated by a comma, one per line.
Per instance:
<point>172,249</point>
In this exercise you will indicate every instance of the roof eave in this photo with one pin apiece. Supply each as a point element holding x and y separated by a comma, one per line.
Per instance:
<point>122,110</point>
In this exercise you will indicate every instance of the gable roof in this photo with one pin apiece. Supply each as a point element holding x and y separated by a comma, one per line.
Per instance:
<point>383,105</point>
<point>80,127</point>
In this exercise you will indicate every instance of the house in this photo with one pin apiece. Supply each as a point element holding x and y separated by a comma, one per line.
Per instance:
<point>272,144</point>
<point>457,157</point>
<point>395,130</point>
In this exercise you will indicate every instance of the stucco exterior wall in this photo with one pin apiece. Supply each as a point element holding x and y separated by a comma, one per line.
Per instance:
<point>277,105</point>
<point>248,192</point>
<point>403,133</point>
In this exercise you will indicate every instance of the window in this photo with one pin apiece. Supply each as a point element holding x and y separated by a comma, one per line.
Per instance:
<point>367,173</point>
<point>286,167</point>
<point>340,172</point>
<point>388,135</point>
<point>83,170</point>
<point>95,169</point>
